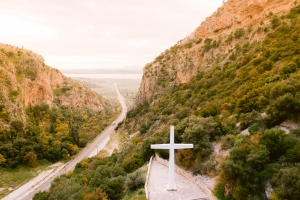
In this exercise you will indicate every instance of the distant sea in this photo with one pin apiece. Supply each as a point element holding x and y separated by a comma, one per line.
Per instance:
<point>107,76</point>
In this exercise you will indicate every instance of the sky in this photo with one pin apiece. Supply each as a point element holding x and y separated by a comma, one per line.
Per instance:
<point>79,34</point>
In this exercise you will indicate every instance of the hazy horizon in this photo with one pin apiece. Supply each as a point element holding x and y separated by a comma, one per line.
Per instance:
<point>100,33</point>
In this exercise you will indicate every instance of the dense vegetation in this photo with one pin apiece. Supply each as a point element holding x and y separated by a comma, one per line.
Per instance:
<point>254,87</point>
<point>50,133</point>
<point>114,177</point>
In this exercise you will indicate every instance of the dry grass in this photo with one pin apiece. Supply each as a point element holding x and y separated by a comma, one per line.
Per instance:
<point>114,144</point>
<point>12,179</point>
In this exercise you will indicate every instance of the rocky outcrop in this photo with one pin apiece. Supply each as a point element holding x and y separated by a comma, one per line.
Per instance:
<point>239,13</point>
<point>26,80</point>
<point>209,45</point>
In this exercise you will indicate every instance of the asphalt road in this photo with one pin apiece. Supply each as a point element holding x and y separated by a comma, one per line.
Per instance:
<point>89,151</point>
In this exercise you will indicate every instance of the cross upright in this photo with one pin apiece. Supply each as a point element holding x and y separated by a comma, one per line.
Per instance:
<point>171,147</point>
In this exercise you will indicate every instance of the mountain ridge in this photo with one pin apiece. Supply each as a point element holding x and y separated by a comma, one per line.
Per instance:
<point>26,80</point>
<point>199,50</point>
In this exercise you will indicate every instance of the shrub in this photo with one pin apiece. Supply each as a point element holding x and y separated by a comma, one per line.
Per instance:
<point>293,155</point>
<point>289,180</point>
<point>265,66</point>
<point>31,159</point>
<point>282,108</point>
<point>132,162</point>
<point>146,151</point>
<point>41,196</point>
<point>114,187</point>
<point>289,68</point>
<point>135,180</point>
<point>253,128</point>
<point>275,22</point>
<point>98,193</point>
<point>199,132</point>
<point>239,33</point>
<point>276,141</point>
<point>2,159</point>
<point>31,72</point>
<point>210,110</point>
<point>228,142</point>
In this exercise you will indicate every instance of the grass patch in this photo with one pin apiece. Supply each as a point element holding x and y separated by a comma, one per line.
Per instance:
<point>136,195</point>
<point>14,178</point>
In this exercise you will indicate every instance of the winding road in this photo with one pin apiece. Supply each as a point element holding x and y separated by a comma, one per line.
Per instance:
<point>27,191</point>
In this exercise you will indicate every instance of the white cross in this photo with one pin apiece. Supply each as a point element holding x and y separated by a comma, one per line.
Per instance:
<point>171,147</point>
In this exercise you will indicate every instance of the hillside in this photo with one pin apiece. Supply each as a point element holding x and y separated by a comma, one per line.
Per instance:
<point>210,44</point>
<point>42,112</point>
<point>230,88</point>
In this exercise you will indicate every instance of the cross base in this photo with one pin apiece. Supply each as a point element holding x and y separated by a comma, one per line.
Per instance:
<point>171,189</point>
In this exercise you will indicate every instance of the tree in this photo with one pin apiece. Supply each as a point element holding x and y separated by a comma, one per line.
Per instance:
<point>135,180</point>
<point>282,108</point>
<point>114,187</point>
<point>276,141</point>
<point>132,162</point>
<point>293,155</point>
<point>97,194</point>
<point>41,196</point>
<point>31,159</point>
<point>245,170</point>
<point>289,183</point>
<point>146,150</point>
<point>199,131</point>
<point>2,159</point>
<point>18,127</point>
<point>74,133</point>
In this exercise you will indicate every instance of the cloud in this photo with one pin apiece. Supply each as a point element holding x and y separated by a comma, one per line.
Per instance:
<point>93,28</point>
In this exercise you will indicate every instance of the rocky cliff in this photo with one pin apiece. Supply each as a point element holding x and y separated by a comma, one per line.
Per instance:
<point>211,44</point>
<point>26,80</point>
<point>239,13</point>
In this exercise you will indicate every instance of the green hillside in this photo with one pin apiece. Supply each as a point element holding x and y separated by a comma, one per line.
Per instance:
<point>45,117</point>
<point>255,87</point>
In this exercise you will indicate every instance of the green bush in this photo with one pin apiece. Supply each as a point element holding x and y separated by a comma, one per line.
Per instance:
<point>239,33</point>
<point>277,142</point>
<point>289,183</point>
<point>289,68</point>
<point>275,22</point>
<point>228,142</point>
<point>31,72</point>
<point>293,154</point>
<point>284,107</point>
<point>146,151</point>
<point>132,162</point>
<point>135,180</point>
<point>253,128</point>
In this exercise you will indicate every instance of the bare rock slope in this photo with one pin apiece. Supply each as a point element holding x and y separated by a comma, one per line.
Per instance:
<point>26,80</point>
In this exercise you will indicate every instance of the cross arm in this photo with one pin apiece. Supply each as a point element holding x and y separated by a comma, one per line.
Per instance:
<point>160,146</point>
<point>183,146</point>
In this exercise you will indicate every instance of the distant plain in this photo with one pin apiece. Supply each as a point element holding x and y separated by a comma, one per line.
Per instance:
<point>106,87</point>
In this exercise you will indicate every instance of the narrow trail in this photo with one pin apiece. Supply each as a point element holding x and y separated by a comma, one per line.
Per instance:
<point>43,181</point>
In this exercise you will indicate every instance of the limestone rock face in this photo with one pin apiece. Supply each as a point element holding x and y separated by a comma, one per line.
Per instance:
<point>239,13</point>
<point>26,80</point>
<point>193,54</point>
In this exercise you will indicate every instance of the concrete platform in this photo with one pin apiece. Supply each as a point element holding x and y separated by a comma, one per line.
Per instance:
<point>157,186</point>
